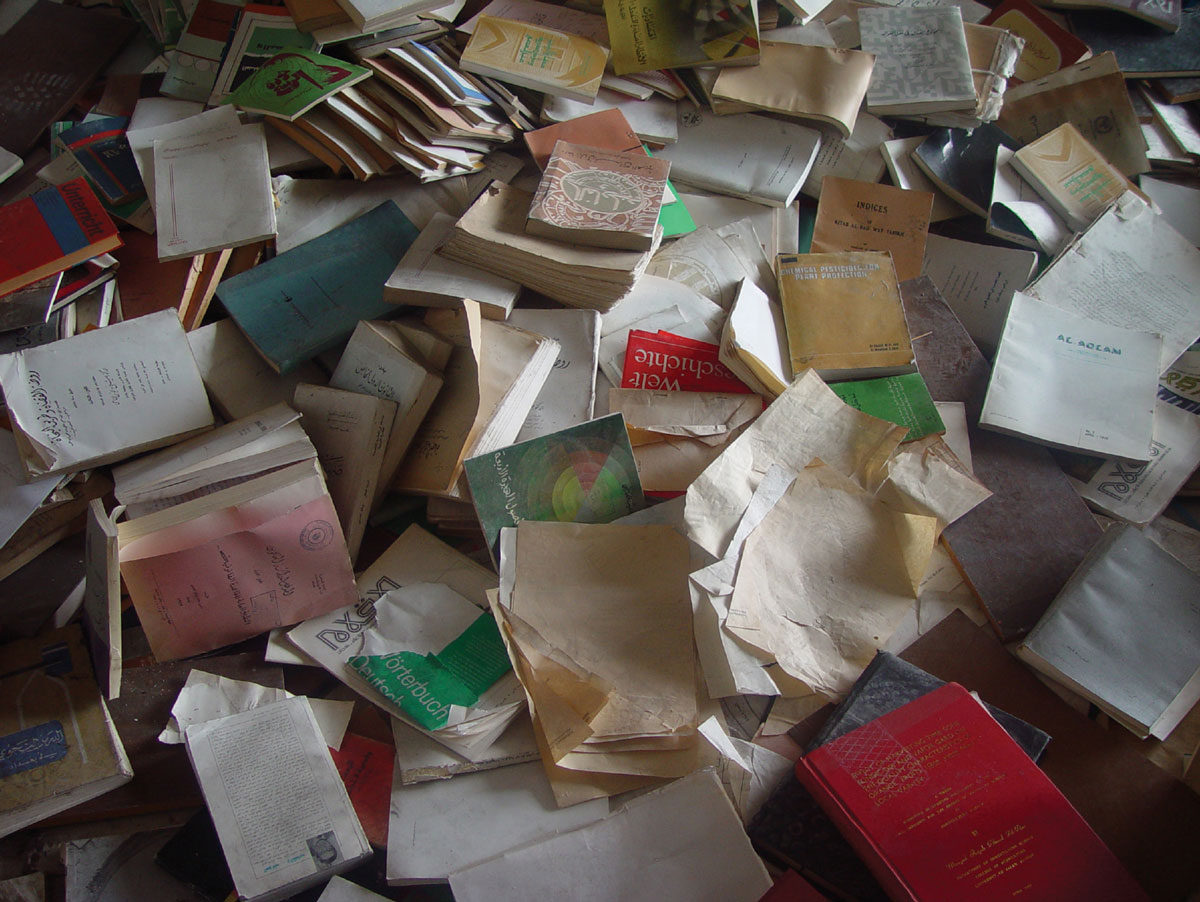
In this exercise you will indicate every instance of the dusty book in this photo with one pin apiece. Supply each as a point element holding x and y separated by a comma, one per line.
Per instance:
<point>921,60</point>
<point>843,315</point>
<point>1140,663</point>
<point>104,395</point>
<point>280,809</point>
<point>863,216</point>
<point>542,59</point>
<point>1048,46</point>
<point>1073,177</point>
<point>663,35</point>
<point>58,745</point>
<point>601,198</point>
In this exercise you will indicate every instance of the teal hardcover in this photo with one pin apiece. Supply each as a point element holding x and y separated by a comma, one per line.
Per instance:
<point>308,299</point>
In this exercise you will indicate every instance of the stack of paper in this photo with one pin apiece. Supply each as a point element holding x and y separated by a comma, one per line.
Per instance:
<point>492,235</point>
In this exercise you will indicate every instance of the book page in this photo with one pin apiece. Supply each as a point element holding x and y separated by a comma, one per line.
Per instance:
<point>102,395</point>
<point>280,809</point>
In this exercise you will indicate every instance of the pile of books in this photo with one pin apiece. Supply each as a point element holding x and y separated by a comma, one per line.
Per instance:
<point>745,453</point>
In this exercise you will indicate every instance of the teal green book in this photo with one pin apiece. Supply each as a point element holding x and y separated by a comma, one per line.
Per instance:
<point>903,400</point>
<point>581,474</point>
<point>308,299</point>
<point>291,83</point>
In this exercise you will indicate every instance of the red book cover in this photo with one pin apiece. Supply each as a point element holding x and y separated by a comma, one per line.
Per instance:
<point>50,231</point>
<point>791,887</point>
<point>941,804</point>
<point>365,766</point>
<point>669,362</point>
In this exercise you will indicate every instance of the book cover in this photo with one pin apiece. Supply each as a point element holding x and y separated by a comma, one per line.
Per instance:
<point>262,32</point>
<point>1073,382</point>
<point>606,129</point>
<point>843,315</point>
<point>1164,15</point>
<point>49,57</point>
<point>569,396</point>
<point>308,299</point>
<point>1076,180</point>
<point>962,163</point>
<point>193,69</point>
<point>365,766</point>
<point>581,474</point>
<point>1019,549</point>
<point>542,59</point>
<point>101,149</point>
<point>58,745</point>
<point>921,60</point>
<point>672,363</point>
<point>864,216</point>
<point>994,824</point>
<point>291,83</point>
<point>51,231</point>
<point>1146,51</point>
<point>1139,662</point>
<point>903,400</point>
<point>596,197</point>
<point>1048,46</point>
<point>663,35</point>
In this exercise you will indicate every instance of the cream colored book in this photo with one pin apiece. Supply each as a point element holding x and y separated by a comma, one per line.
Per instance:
<point>542,59</point>
<point>843,315</point>
<point>1074,178</point>
<point>381,360</point>
<point>350,432</point>
<point>821,83</point>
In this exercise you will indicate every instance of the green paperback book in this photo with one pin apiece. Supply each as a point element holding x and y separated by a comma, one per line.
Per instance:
<point>903,400</point>
<point>291,83</point>
<point>581,474</point>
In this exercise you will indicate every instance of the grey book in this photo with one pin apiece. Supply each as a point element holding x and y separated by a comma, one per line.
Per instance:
<point>1124,632</point>
<point>921,60</point>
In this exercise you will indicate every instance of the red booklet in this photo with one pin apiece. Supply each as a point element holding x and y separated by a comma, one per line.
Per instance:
<point>941,804</point>
<point>50,231</point>
<point>673,363</point>
<point>365,766</point>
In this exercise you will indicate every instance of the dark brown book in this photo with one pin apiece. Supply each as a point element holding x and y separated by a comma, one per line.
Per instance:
<point>1146,817</point>
<point>47,60</point>
<point>1018,548</point>
<point>163,778</point>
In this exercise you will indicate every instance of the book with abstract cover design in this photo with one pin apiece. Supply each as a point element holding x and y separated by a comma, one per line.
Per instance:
<point>538,58</point>
<point>583,474</point>
<point>291,83</point>
<point>921,60</point>
<point>598,197</point>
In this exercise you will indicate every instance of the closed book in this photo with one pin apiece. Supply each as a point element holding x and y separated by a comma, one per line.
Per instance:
<point>668,362</point>
<point>51,231</point>
<point>597,197</point>
<point>1139,662</point>
<point>581,474</point>
<point>921,60</point>
<point>58,745</point>
<point>962,163</point>
<point>903,400</point>
<point>365,766</point>
<point>305,301</point>
<point>101,149</point>
<point>993,826</point>
<point>49,57</point>
<point>1145,50</point>
<point>608,129</point>
<point>291,83</point>
<point>659,34</point>
<point>853,215</point>
<point>1073,177</point>
<point>542,59</point>
<point>1164,16</point>
<point>843,315</point>
<point>1048,46</point>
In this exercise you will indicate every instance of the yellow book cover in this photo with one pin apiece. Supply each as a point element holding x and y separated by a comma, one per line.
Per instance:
<point>667,34</point>
<point>853,215</point>
<point>541,59</point>
<point>843,315</point>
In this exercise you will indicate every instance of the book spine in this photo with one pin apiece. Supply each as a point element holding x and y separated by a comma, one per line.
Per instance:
<point>871,855</point>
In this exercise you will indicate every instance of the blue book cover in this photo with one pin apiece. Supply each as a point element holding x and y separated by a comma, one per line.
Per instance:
<point>308,299</point>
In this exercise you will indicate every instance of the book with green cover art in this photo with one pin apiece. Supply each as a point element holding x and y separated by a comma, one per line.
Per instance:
<point>291,83</point>
<point>581,474</point>
<point>903,400</point>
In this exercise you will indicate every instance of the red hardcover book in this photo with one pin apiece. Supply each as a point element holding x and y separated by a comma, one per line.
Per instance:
<point>365,766</point>
<point>941,804</point>
<point>673,363</point>
<point>50,231</point>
